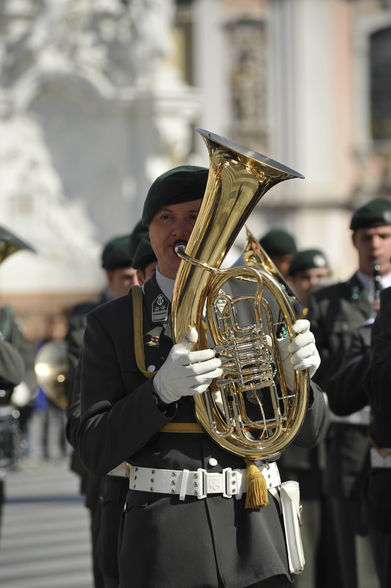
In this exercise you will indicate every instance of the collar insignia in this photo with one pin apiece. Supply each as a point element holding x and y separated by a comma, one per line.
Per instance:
<point>160,308</point>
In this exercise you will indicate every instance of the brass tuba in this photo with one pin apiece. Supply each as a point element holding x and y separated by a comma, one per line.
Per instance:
<point>249,411</point>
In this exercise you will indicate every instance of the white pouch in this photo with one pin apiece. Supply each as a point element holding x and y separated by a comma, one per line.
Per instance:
<point>291,514</point>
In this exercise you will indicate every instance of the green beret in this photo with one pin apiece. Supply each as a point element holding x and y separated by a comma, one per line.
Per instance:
<point>144,254</point>
<point>307,259</point>
<point>278,242</point>
<point>181,184</point>
<point>139,231</point>
<point>116,253</point>
<point>375,213</point>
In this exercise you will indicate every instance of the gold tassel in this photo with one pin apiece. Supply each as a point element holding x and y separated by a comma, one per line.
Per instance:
<point>257,496</point>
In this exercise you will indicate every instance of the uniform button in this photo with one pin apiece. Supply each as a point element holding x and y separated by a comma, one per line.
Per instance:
<point>212,462</point>
<point>151,368</point>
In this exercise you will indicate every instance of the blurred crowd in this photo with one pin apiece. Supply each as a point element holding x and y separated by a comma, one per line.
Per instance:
<point>346,523</point>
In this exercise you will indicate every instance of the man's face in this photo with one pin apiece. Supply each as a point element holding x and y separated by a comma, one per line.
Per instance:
<point>121,280</point>
<point>282,263</point>
<point>308,280</point>
<point>373,243</point>
<point>172,225</point>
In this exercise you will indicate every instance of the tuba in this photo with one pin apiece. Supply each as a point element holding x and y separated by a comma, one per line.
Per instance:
<point>249,411</point>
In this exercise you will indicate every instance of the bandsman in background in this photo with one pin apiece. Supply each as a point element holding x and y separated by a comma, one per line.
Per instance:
<point>280,247</point>
<point>308,270</point>
<point>144,260</point>
<point>174,533</point>
<point>102,499</point>
<point>335,311</point>
<point>17,377</point>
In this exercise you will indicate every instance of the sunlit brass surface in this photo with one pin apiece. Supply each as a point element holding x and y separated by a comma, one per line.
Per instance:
<point>51,368</point>
<point>238,178</point>
<point>10,243</point>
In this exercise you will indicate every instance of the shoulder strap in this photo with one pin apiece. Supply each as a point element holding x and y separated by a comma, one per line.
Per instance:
<point>137,298</point>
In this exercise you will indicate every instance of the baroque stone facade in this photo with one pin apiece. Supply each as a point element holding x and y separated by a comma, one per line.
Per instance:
<point>99,97</point>
<point>92,109</point>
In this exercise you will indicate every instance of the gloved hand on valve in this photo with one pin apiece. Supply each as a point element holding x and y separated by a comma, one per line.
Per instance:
<point>300,353</point>
<point>186,372</point>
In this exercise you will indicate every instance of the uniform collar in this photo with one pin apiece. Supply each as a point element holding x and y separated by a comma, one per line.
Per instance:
<point>368,285</point>
<point>165,284</point>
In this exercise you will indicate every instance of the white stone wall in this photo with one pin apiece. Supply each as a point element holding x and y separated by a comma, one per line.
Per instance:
<point>94,105</point>
<point>92,110</point>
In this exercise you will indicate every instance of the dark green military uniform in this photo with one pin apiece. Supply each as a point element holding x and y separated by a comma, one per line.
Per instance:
<point>104,496</point>
<point>167,542</point>
<point>16,365</point>
<point>334,312</point>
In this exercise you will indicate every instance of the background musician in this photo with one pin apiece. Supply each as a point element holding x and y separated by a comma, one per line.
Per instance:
<point>335,311</point>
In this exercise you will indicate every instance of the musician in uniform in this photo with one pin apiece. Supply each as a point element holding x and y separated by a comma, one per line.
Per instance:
<point>16,369</point>
<point>280,247</point>
<point>334,311</point>
<point>101,497</point>
<point>12,370</point>
<point>144,260</point>
<point>176,532</point>
<point>308,270</point>
<point>377,384</point>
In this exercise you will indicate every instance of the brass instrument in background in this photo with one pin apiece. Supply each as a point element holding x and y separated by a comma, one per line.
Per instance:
<point>10,243</point>
<point>245,411</point>
<point>51,368</point>
<point>377,284</point>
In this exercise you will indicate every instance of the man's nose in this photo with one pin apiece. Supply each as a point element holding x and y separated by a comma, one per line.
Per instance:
<point>182,228</point>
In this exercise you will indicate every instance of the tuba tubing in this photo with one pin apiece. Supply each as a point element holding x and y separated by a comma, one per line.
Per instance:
<point>238,178</point>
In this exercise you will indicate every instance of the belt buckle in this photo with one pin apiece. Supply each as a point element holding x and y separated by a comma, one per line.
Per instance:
<point>230,483</point>
<point>229,486</point>
<point>201,483</point>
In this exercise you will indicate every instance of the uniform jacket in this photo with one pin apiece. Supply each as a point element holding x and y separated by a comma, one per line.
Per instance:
<point>167,542</point>
<point>16,355</point>
<point>104,495</point>
<point>378,385</point>
<point>334,312</point>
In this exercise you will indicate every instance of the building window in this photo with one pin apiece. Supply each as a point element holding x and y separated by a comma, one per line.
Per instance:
<point>247,59</point>
<point>380,85</point>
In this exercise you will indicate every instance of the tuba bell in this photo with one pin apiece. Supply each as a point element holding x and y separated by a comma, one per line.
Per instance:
<point>249,411</point>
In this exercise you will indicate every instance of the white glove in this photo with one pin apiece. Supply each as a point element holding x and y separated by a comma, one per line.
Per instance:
<point>185,372</point>
<point>299,354</point>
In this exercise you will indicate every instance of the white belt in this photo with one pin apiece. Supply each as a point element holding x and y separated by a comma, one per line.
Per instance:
<point>360,417</point>
<point>378,460</point>
<point>121,471</point>
<point>198,483</point>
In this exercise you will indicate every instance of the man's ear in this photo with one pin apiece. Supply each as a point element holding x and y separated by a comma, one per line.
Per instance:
<point>109,276</point>
<point>354,235</point>
<point>140,277</point>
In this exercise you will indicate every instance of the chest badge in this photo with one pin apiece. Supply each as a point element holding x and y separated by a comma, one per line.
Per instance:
<point>160,308</point>
<point>153,342</point>
<point>152,337</point>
